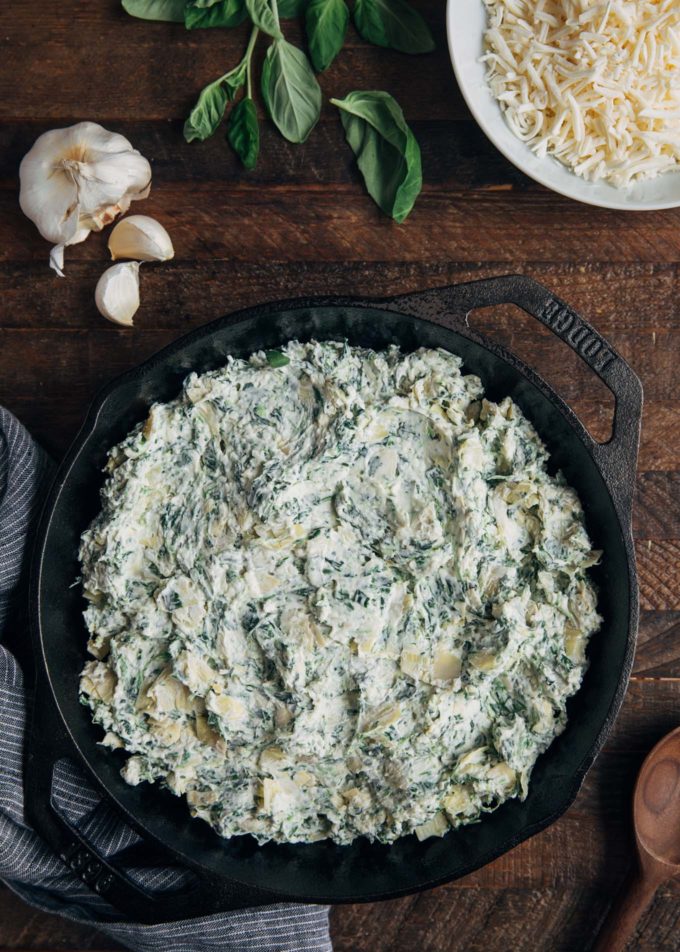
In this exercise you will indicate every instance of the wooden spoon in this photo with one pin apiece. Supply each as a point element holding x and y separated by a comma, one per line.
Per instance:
<point>656,817</point>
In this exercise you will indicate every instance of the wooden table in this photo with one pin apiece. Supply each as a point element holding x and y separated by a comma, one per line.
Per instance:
<point>301,224</point>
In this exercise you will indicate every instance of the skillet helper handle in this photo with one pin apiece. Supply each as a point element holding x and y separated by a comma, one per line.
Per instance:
<point>616,458</point>
<point>47,744</point>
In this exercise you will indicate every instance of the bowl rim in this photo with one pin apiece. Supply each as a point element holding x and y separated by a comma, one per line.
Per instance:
<point>545,179</point>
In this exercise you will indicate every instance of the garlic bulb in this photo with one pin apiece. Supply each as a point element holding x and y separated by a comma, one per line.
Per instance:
<point>117,293</point>
<point>140,237</point>
<point>77,180</point>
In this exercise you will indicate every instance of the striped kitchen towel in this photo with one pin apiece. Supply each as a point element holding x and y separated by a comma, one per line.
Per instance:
<point>27,865</point>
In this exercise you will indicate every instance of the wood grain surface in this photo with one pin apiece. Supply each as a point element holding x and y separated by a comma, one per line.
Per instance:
<point>301,224</point>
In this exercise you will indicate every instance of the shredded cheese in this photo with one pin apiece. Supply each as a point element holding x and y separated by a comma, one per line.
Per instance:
<point>595,84</point>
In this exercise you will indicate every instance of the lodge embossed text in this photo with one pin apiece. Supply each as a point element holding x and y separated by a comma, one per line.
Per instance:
<point>585,341</point>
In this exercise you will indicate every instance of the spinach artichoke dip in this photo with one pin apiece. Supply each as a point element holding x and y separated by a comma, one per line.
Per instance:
<point>335,593</point>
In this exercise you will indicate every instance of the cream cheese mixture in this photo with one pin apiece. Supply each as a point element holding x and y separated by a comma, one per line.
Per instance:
<point>335,593</point>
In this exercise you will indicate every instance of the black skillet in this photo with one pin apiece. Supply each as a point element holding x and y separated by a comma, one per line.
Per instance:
<point>235,873</point>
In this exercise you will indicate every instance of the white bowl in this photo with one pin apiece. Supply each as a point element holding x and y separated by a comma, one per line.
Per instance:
<point>466,22</point>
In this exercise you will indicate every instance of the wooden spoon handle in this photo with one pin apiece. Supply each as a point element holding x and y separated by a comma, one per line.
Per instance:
<point>626,911</point>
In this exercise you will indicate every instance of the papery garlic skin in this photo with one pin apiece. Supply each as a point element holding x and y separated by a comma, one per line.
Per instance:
<point>117,293</point>
<point>77,180</point>
<point>140,237</point>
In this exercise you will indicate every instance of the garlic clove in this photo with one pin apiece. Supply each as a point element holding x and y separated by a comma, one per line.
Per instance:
<point>79,179</point>
<point>117,293</point>
<point>57,260</point>
<point>57,253</point>
<point>140,237</point>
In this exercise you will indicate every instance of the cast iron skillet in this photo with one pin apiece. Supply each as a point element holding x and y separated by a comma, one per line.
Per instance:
<point>236,873</point>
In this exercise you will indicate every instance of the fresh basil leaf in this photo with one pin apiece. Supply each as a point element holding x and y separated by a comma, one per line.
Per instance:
<point>169,10</point>
<point>208,112</point>
<point>243,133</point>
<point>291,8</point>
<point>290,91</point>
<point>326,22</point>
<point>204,3</point>
<point>262,16</point>
<point>387,152</point>
<point>393,23</point>
<point>276,359</point>
<point>222,13</point>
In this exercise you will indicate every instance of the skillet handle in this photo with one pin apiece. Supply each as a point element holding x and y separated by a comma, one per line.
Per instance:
<point>617,458</point>
<point>48,742</point>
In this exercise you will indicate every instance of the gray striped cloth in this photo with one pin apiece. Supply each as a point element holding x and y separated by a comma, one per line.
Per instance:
<point>27,866</point>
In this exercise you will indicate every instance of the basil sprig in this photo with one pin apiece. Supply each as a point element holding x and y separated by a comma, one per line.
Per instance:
<point>387,153</point>
<point>386,150</point>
